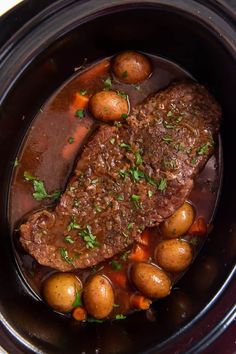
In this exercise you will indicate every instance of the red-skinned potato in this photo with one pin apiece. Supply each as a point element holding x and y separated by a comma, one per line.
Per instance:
<point>98,296</point>
<point>60,291</point>
<point>109,106</point>
<point>150,280</point>
<point>179,223</point>
<point>173,255</point>
<point>131,67</point>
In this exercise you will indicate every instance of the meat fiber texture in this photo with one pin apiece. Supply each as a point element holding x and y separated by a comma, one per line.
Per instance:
<point>127,178</point>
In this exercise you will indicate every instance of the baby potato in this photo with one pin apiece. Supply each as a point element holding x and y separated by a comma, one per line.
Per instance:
<point>98,297</point>
<point>108,106</point>
<point>179,223</point>
<point>150,280</point>
<point>60,290</point>
<point>131,67</point>
<point>173,255</point>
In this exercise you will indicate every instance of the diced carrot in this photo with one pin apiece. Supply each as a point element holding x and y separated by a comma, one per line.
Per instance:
<point>140,302</point>
<point>145,237</point>
<point>79,313</point>
<point>119,278</point>
<point>97,70</point>
<point>139,253</point>
<point>80,102</point>
<point>69,150</point>
<point>198,228</point>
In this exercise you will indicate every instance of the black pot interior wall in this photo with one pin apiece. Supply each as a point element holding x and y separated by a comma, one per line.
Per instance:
<point>193,46</point>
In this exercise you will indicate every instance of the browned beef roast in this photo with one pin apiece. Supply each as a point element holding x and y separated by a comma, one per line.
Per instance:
<point>127,178</point>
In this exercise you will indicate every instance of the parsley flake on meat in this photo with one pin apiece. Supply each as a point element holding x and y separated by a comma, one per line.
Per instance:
<point>89,238</point>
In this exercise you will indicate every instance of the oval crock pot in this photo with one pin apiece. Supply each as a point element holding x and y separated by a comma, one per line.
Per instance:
<point>50,39</point>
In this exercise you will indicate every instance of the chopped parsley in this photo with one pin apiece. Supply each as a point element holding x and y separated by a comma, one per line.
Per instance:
<point>203,148</point>
<point>167,125</point>
<point>135,199</point>
<point>167,139</point>
<point>138,158</point>
<point>107,84</point>
<point>80,113</point>
<point>83,92</point>
<point>120,197</point>
<point>124,256</point>
<point>115,265</point>
<point>89,238</point>
<point>169,114</point>
<point>124,74</point>
<point>116,305</point>
<point>97,208</point>
<point>68,239</point>
<point>124,115</point>
<point>78,301</point>
<point>162,184</point>
<point>194,160</point>
<point>112,141</point>
<point>125,146</point>
<point>136,174</point>
<point>130,225</point>
<point>120,317</point>
<point>150,194</point>
<point>122,94</point>
<point>76,203</point>
<point>94,181</point>
<point>16,162</point>
<point>40,192</point>
<point>123,173</point>
<point>73,225</point>
<point>65,256</point>
<point>71,140</point>
<point>137,87</point>
<point>117,124</point>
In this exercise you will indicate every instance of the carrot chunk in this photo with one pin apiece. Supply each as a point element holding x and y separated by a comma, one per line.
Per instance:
<point>145,237</point>
<point>80,102</point>
<point>139,253</point>
<point>79,313</point>
<point>198,228</point>
<point>119,278</point>
<point>140,302</point>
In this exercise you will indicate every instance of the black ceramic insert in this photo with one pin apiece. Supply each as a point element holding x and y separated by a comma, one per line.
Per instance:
<point>194,36</point>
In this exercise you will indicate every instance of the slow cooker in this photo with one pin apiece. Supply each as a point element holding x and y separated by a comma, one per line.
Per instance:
<point>201,37</point>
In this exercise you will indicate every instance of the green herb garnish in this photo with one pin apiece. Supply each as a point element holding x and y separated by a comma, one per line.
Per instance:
<point>167,125</point>
<point>16,162</point>
<point>40,192</point>
<point>136,174</point>
<point>120,197</point>
<point>130,226</point>
<point>169,114</point>
<point>65,256</point>
<point>112,141</point>
<point>150,194</point>
<point>80,113</point>
<point>120,317</point>
<point>122,94</point>
<point>138,158</point>
<point>125,146</point>
<point>71,140</point>
<point>94,320</point>
<point>83,92</point>
<point>115,265</point>
<point>162,184</point>
<point>73,225</point>
<point>123,173</point>
<point>193,161</point>
<point>124,115</point>
<point>167,139</point>
<point>135,197</point>
<point>78,301</point>
<point>94,181</point>
<point>203,148</point>
<point>107,84</point>
<point>98,208</point>
<point>68,239</point>
<point>89,238</point>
